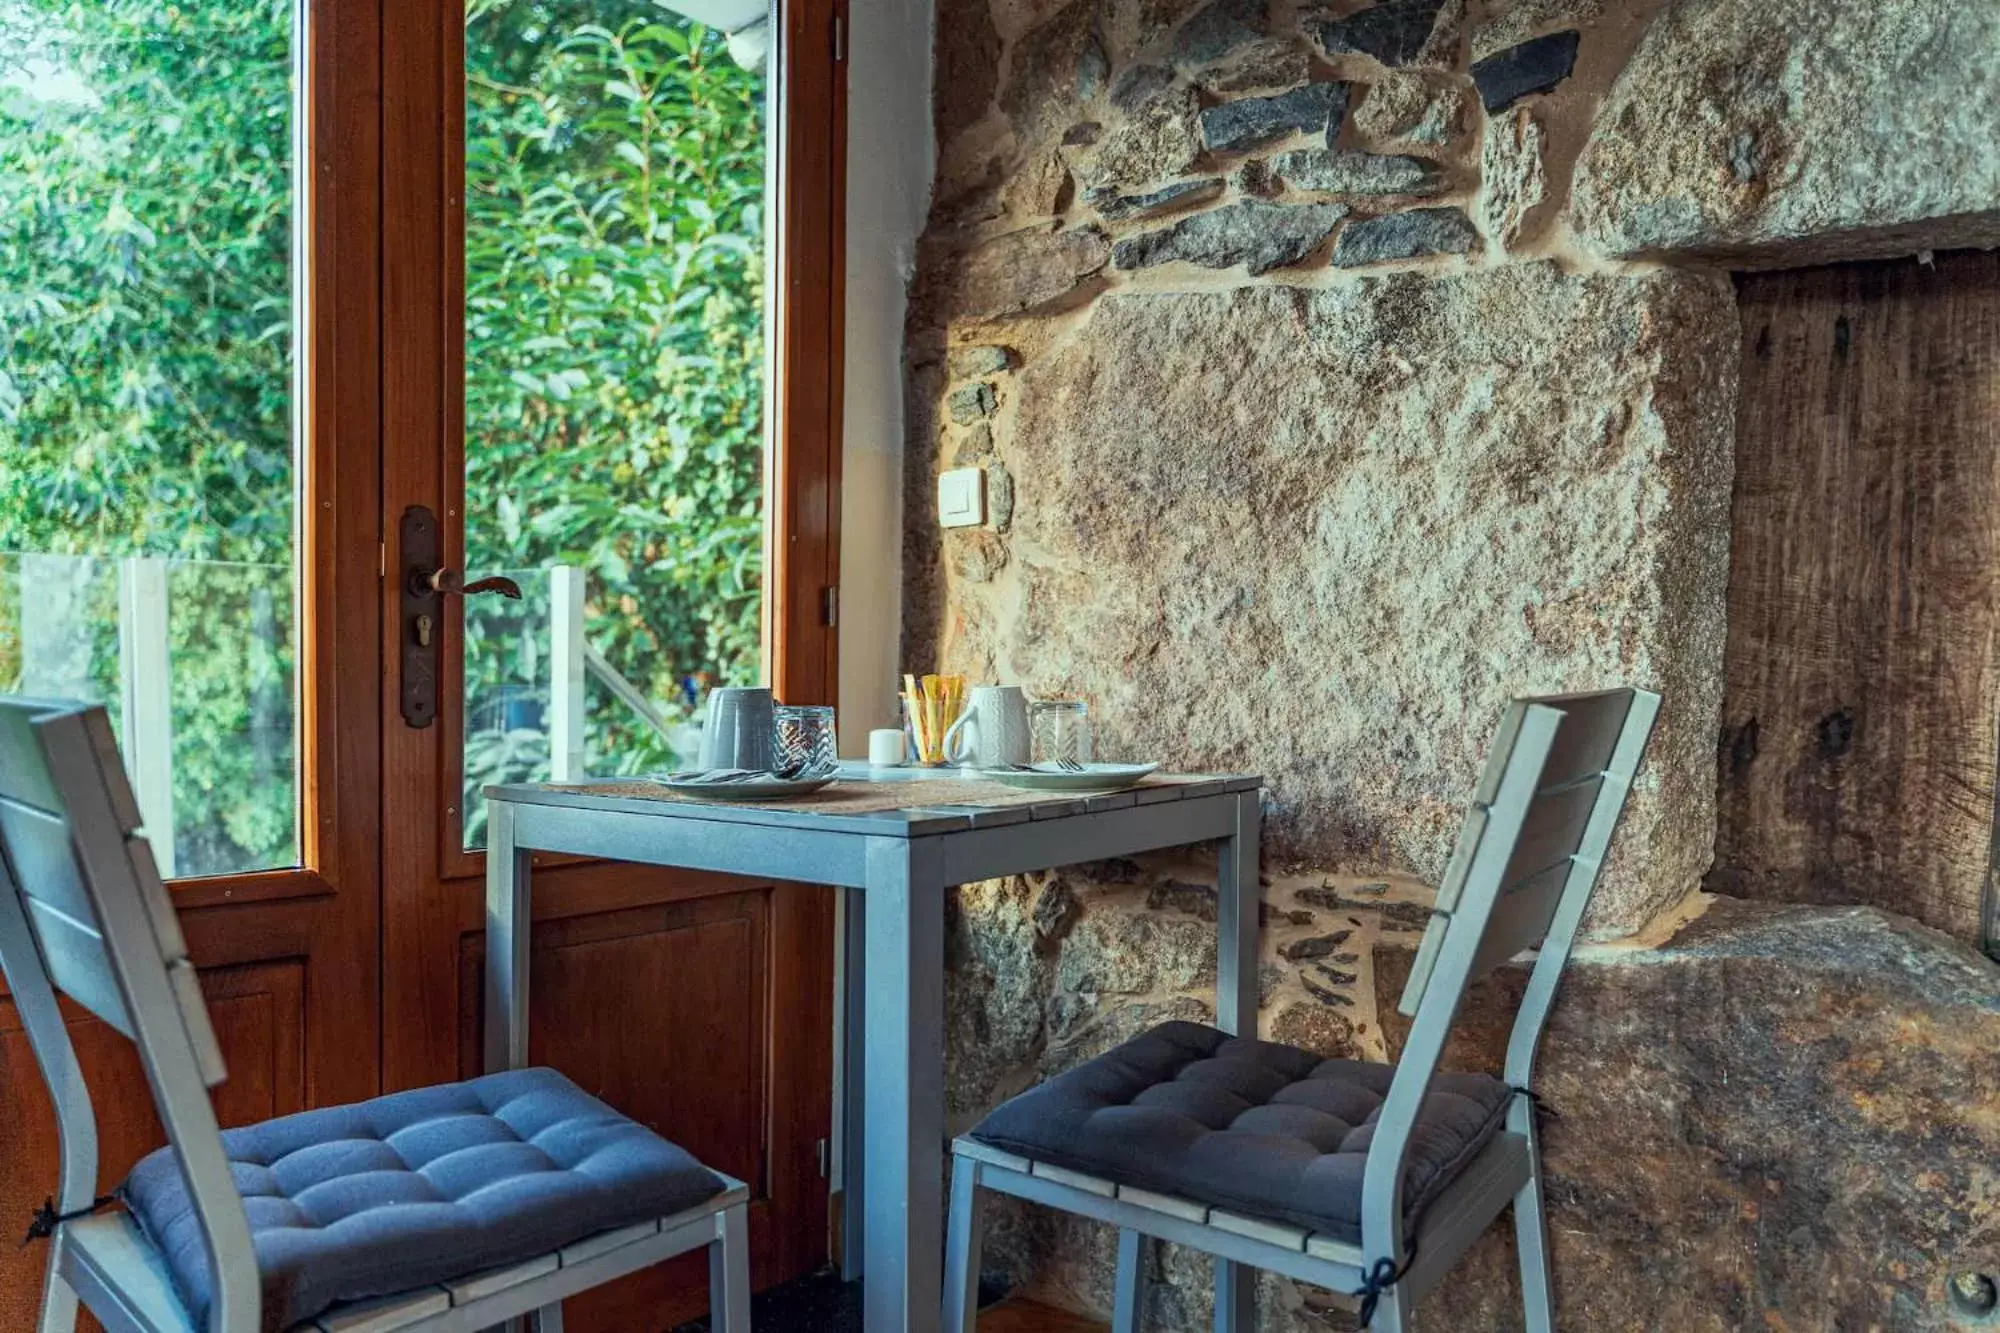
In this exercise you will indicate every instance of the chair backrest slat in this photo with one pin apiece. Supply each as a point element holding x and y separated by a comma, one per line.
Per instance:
<point>1592,724</point>
<point>24,777</point>
<point>1575,796</point>
<point>39,849</point>
<point>79,965</point>
<point>44,863</point>
<point>1551,829</point>
<point>1521,917</point>
<point>87,914</point>
<point>1527,859</point>
<point>42,849</point>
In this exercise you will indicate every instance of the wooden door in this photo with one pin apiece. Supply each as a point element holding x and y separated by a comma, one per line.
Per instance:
<point>698,1004</point>
<point>1861,715</point>
<point>288,956</point>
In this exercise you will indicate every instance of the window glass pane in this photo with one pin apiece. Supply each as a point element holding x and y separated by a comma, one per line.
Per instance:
<point>614,341</point>
<point>146,443</point>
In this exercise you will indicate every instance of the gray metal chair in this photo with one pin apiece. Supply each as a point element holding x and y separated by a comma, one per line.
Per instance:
<point>520,1176</point>
<point>1365,1179</point>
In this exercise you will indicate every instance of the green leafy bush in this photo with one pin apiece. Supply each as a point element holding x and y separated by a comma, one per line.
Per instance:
<point>614,340</point>
<point>613,350</point>
<point>145,350</point>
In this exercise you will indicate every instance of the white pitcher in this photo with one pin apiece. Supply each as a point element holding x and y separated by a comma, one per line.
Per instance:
<point>992,732</point>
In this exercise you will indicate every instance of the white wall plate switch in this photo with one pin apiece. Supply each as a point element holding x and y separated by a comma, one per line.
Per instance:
<point>962,497</point>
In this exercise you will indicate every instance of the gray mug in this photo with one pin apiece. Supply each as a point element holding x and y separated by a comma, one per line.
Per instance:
<point>737,733</point>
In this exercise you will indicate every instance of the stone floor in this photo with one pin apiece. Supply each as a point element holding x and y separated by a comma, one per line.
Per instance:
<point>824,1304</point>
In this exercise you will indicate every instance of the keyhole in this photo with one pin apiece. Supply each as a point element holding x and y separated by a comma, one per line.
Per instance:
<point>423,631</point>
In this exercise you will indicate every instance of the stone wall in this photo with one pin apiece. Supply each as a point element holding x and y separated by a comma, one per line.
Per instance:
<point>1338,374</point>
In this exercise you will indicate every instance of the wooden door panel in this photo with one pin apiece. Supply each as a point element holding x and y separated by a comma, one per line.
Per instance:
<point>656,1010</point>
<point>259,1015</point>
<point>1861,717</point>
<point>671,1012</point>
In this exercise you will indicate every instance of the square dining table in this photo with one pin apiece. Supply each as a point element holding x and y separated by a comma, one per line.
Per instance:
<point>897,840</point>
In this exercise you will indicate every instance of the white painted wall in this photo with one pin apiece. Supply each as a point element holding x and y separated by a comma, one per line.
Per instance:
<point>890,159</point>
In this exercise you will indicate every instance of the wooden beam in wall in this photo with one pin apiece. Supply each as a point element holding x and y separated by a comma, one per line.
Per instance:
<point>1861,717</point>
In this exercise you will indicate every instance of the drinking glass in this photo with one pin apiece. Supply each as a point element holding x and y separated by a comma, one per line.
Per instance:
<point>1059,732</point>
<point>804,743</point>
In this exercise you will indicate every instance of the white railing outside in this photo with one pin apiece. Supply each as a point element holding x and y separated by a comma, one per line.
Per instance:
<point>145,687</point>
<point>571,660</point>
<point>567,724</point>
<point>63,616</point>
<point>62,603</point>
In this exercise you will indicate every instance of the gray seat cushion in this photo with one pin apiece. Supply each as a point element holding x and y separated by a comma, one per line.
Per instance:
<point>1252,1126</point>
<point>418,1188</point>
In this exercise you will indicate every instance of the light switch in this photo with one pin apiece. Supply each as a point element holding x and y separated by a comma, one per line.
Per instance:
<point>962,497</point>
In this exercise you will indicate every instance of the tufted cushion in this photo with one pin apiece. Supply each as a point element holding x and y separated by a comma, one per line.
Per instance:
<point>418,1188</point>
<point>1252,1126</point>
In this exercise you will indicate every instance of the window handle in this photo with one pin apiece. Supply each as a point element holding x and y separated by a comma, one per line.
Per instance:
<point>451,583</point>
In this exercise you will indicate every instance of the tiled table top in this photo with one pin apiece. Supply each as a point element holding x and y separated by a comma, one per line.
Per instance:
<point>900,802</point>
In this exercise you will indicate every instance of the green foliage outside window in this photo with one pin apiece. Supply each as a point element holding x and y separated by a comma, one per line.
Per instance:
<point>614,326</point>
<point>613,348</point>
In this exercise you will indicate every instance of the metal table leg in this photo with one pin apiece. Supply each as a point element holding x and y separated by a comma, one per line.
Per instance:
<point>508,870</point>
<point>903,1253</point>
<point>1238,906</point>
<point>509,913</point>
<point>854,1083</point>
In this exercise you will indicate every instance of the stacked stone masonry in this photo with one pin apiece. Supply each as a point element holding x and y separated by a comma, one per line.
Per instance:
<point>1339,372</point>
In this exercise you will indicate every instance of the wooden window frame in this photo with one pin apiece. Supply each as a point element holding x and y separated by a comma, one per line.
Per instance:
<point>336,387</point>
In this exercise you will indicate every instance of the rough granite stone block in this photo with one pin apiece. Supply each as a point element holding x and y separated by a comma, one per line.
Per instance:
<point>1325,534</point>
<point>1780,1118</point>
<point>1797,132</point>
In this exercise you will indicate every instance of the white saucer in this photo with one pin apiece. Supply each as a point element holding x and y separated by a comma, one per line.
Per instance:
<point>1094,777</point>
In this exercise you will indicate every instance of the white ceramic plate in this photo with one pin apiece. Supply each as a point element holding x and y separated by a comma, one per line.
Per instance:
<point>766,787</point>
<point>1095,777</point>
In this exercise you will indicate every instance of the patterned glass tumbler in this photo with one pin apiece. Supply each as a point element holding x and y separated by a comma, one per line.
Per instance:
<point>1059,732</point>
<point>804,742</point>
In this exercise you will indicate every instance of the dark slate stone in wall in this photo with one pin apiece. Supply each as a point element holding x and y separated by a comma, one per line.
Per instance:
<point>1394,32</point>
<point>1012,274</point>
<point>967,56</point>
<point>972,362</point>
<point>1247,121</point>
<point>969,404</point>
<point>1218,29</point>
<point>1532,67</point>
<point>1117,207</point>
<point>1139,85</point>
<point>1053,67</point>
<point>1255,234</point>
<point>1412,235</point>
<point>1333,172</point>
